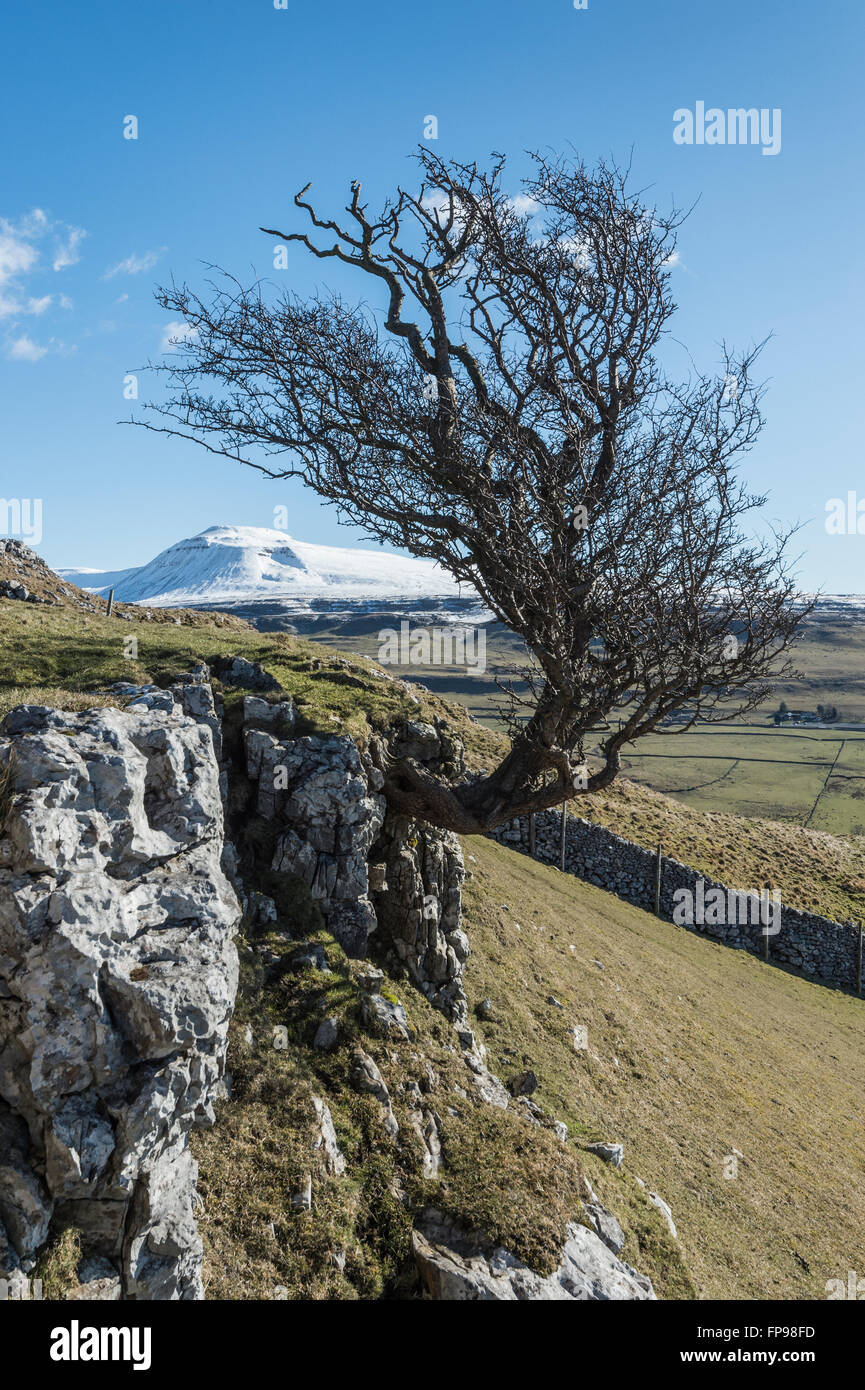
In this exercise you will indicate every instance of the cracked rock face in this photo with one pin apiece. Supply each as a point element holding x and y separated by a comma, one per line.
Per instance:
<point>420,911</point>
<point>117,980</point>
<point>325,800</point>
<point>460,1267</point>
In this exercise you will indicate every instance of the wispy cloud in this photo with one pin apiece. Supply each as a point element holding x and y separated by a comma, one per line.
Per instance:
<point>174,333</point>
<point>523,205</point>
<point>23,349</point>
<point>21,257</point>
<point>17,258</point>
<point>134,264</point>
<point>67,252</point>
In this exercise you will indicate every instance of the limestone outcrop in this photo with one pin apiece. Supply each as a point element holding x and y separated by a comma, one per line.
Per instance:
<point>419,909</point>
<point>323,797</point>
<point>462,1267</point>
<point>117,979</point>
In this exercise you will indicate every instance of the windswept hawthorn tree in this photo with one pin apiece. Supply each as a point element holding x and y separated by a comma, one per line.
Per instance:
<point>506,415</point>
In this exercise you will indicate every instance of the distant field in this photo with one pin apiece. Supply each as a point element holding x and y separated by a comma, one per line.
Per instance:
<point>749,769</point>
<point>814,778</point>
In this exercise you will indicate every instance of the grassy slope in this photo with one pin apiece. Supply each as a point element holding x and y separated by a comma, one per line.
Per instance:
<point>46,585</point>
<point>693,1051</point>
<point>715,1051</point>
<point>812,869</point>
<point>68,658</point>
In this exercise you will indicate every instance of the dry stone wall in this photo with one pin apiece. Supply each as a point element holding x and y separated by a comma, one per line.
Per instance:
<point>813,944</point>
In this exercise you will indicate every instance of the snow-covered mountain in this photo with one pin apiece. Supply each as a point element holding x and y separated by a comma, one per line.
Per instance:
<point>251,565</point>
<point>237,564</point>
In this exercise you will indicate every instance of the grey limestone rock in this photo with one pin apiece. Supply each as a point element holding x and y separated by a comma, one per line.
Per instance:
<point>459,1266</point>
<point>118,973</point>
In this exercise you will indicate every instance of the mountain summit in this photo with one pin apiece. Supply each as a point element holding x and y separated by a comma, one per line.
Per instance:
<point>234,564</point>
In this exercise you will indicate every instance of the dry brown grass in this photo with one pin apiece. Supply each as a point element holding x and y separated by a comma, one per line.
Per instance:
<point>813,870</point>
<point>694,1050</point>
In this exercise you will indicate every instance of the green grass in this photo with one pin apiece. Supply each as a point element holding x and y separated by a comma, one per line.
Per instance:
<point>67,658</point>
<point>693,1050</point>
<point>777,774</point>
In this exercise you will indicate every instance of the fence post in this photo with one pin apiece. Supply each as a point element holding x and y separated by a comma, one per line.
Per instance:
<point>564,826</point>
<point>532,835</point>
<point>110,603</point>
<point>658,883</point>
<point>859,964</point>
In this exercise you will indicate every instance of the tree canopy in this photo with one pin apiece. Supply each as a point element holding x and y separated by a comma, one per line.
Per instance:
<point>503,410</point>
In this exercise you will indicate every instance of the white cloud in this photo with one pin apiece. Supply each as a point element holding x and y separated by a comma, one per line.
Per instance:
<point>24,349</point>
<point>523,205</point>
<point>20,258</point>
<point>67,251</point>
<point>674,258</point>
<point>438,204</point>
<point>16,255</point>
<point>133,265</point>
<point>121,299</point>
<point>17,258</point>
<point>32,224</point>
<point>173,334</point>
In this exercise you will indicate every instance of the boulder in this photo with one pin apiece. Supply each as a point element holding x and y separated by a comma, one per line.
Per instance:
<point>610,1153</point>
<point>366,1078</point>
<point>325,1143</point>
<point>460,1266</point>
<point>384,1017</point>
<point>249,675</point>
<point>326,1035</point>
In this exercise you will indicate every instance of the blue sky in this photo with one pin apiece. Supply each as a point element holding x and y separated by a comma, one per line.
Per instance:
<point>240,104</point>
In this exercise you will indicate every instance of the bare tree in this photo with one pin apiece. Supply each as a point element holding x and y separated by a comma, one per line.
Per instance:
<point>506,415</point>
